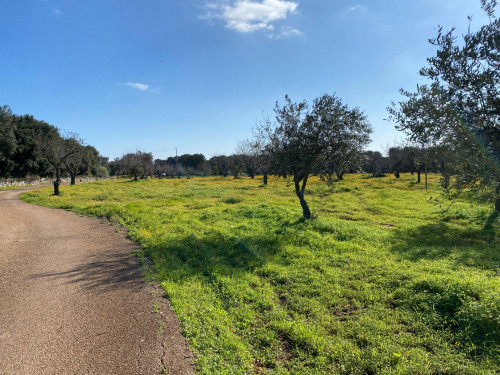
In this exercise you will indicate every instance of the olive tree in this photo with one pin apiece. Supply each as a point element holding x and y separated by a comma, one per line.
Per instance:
<point>82,161</point>
<point>220,165</point>
<point>57,149</point>
<point>137,164</point>
<point>396,160</point>
<point>373,163</point>
<point>303,138</point>
<point>248,157</point>
<point>260,147</point>
<point>459,107</point>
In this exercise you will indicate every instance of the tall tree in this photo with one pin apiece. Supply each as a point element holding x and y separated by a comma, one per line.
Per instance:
<point>303,139</point>
<point>17,146</point>
<point>460,106</point>
<point>8,143</point>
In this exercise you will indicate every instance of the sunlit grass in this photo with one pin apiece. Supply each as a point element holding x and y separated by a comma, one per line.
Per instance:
<point>382,281</point>
<point>9,187</point>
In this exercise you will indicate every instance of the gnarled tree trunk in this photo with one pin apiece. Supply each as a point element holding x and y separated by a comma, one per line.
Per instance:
<point>306,212</point>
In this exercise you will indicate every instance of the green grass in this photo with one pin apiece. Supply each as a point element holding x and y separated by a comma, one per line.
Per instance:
<point>12,187</point>
<point>382,281</point>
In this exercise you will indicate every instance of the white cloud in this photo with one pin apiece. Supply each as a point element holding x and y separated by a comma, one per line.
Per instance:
<point>248,16</point>
<point>138,86</point>
<point>357,7</point>
<point>57,11</point>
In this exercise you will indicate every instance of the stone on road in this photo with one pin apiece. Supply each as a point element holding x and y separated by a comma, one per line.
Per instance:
<point>73,299</point>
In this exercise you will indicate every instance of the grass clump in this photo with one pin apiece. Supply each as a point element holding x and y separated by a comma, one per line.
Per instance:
<point>383,281</point>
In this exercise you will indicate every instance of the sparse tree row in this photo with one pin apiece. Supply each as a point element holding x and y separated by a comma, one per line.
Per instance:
<point>326,139</point>
<point>29,147</point>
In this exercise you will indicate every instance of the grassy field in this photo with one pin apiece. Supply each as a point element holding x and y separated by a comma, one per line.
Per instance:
<point>382,281</point>
<point>12,187</point>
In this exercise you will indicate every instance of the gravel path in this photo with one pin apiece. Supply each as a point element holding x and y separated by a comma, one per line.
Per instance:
<point>73,300</point>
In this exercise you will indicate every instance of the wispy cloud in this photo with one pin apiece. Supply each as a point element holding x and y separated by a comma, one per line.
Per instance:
<point>286,32</point>
<point>357,8</point>
<point>138,86</point>
<point>248,16</point>
<point>157,90</point>
<point>355,11</point>
<point>57,11</point>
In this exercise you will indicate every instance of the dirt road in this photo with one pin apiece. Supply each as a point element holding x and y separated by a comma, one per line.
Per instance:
<point>73,300</point>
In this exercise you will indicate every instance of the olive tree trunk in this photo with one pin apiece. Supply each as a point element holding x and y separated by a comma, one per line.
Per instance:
<point>57,181</point>
<point>306,212</point>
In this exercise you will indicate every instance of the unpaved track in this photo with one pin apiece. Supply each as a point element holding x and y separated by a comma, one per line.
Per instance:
<point>73,300</point>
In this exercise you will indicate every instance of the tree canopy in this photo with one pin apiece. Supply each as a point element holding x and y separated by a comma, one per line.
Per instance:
<point>57,150</point>
<point>303,139</point>
<point>459,107</point>
<point>17,146</point>
<point>30,147</point>
<point>137,164</point>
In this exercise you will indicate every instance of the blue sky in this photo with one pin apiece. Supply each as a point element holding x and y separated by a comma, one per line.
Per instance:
<point>152,75</point>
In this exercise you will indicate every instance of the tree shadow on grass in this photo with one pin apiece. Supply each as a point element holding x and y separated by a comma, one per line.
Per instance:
<point>186,256</point>
<point>492,219</point>
<point>104,273</point>
<point>465,245</point>
<point>193,256</point>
